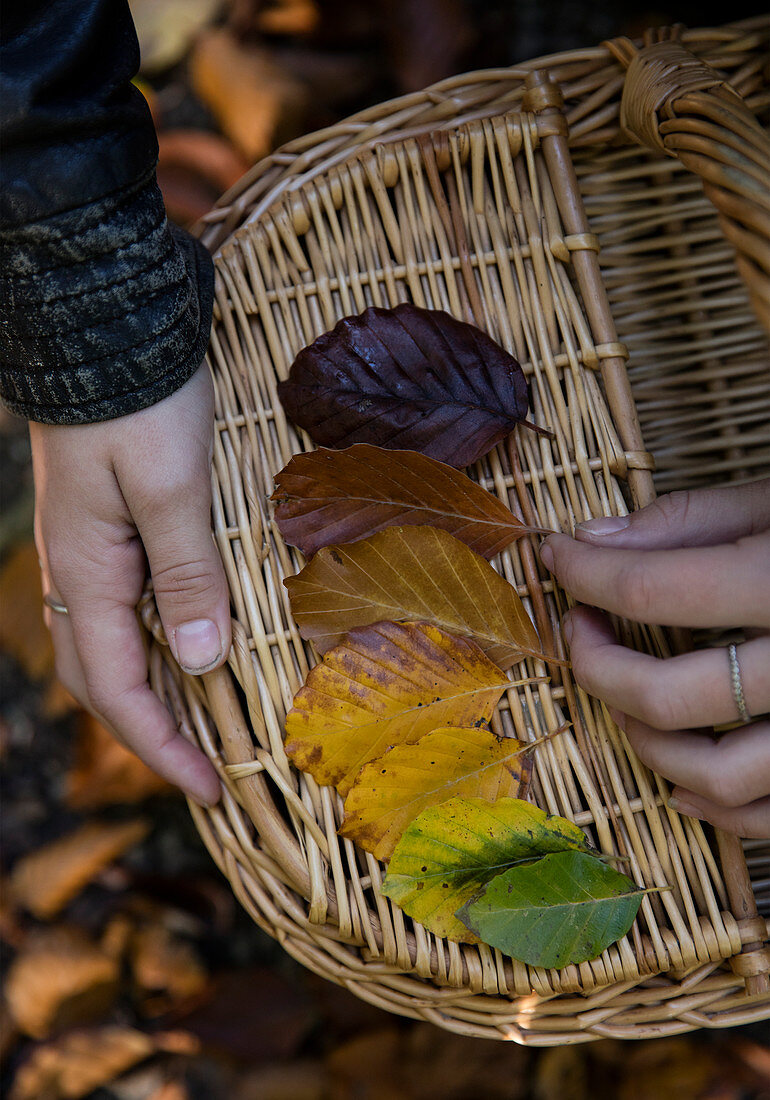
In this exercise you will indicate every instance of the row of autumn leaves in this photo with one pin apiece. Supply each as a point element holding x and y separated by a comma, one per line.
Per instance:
<point>417,631</point>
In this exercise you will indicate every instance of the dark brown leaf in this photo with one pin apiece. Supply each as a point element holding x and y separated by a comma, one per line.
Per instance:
<point>329,496</point>
<point>407,378</point>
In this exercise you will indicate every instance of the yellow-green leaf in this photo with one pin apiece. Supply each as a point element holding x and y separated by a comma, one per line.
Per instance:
<point>413,573</point>
<point>451,851</point>
<point>447,763</point>
<point>388,684</point>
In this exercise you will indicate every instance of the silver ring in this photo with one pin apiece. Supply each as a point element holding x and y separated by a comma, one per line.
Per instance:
<point>735,679</point>
<point>55,605</point>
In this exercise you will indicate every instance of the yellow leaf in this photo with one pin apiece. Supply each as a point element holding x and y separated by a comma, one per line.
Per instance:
<point>414,573</point>
<point>388,684</point>
<point>447,763</point>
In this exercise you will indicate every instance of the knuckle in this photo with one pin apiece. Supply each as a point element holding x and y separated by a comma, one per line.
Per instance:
<point>185,579</point>
<point>673,508</point>
<point>637,590</point>
<point>660,710</point>
<point>727,787</point>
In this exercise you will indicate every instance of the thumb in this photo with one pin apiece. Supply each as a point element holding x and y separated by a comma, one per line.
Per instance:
<point>189,582</point>
<point>706,517</point>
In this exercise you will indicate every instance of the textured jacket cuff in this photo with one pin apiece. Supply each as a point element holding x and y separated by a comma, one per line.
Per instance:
<point>105,309</point>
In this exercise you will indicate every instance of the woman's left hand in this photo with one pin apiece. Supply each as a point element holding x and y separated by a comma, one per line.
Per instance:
<point>699,559</point>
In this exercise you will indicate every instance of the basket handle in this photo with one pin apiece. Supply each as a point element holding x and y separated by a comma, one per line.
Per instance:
<point>676,103</point>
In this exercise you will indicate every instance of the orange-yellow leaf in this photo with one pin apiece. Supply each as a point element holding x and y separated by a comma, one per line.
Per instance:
<point>74,1065</point>
<point>447,763</point>
<point>414,573</point>
<point>47,879</point>
<point>59,979</point>
<point>387,684</point>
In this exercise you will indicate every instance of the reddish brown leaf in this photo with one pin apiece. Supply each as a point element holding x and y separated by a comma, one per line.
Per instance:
<point>407,378</point>
<point>329,496</point>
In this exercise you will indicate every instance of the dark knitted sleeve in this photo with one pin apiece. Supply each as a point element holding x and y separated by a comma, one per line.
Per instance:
<point>104,307</point>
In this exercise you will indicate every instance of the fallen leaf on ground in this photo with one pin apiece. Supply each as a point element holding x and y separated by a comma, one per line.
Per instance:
<point>451,851</point>
<point>166,968</point>
<point>446,763</point>
<point>387,684</point>
<point>329,496</point>
<point>74,1065</point>
<point>256,102</point>
<point>47,879</point>
<point>407,378</point>
<point>105,773</point>
<point>23,634</point>
<point>413,573</point>
<point>59,979</point>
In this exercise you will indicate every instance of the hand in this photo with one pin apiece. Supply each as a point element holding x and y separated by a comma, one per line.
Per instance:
<point>112,498</point>
<point>699,559</point>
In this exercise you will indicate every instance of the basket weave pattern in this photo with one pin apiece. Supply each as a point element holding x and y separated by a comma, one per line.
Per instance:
<point>485,220</point>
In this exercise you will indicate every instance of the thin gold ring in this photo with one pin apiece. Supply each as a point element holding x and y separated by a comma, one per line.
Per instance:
<point>55,605</point>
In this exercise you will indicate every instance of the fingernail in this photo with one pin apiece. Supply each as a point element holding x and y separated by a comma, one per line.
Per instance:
<point>198,645</point>
<point>683,807</point>
<point>604,525</point>
<point>546,556</point>
<point>567,629</point>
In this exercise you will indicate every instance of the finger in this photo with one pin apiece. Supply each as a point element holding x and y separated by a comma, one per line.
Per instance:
<point>704,517</point>
<point>726,585</point>
<point>187,573</point>
<point>682,692</point>
<point>731,771</point>
<point>752,820</point>
<point>114,666</point>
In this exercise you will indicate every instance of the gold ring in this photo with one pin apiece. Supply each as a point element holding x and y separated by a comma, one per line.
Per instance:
<point>55,605</point>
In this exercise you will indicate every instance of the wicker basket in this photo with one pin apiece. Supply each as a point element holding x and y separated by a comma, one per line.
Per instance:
<point>465,198</point>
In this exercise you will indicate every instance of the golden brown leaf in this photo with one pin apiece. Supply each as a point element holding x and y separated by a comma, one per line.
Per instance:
<point>256,102</point>
<point>166,967</point>
<point>105,773</point>
<point>388,684</point>
<point>328,496</point>
<point>446,763</point>
<point>23,634</point>
<point>47,879</point>
<point>58,980</point>
<point>79,1062</point>
<point>414,573</point>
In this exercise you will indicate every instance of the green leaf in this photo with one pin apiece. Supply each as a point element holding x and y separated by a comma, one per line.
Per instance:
<point>561,909</point>
<point>450,852</point>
